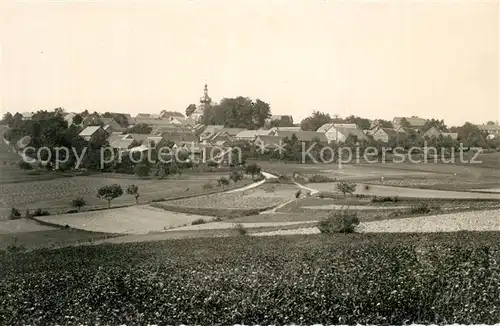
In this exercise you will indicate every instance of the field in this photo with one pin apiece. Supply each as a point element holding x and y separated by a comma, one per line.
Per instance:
<point>366,279</point>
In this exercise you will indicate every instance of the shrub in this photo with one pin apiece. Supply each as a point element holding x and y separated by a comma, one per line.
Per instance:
<point>78,203</point>
<point>24,165</point>
<point>217,219</point>
<point>342,221</point>
<point>14,214</point>
<point>319,178</point>
<point>40,212</point>
<point>259,177</point>
<point>241,229</point>
<point>222,182</point>
<point>198,221</point>
<point>236,176</point>
<point>422,208</point>
<point>208,186</point>
<point>142,170</point>
<point>212,164</point>
<point>385,199</point>
<point>346,187</point>
<point>298,193</point>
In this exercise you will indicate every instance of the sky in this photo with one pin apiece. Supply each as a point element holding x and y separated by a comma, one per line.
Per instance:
<point>375,59</point>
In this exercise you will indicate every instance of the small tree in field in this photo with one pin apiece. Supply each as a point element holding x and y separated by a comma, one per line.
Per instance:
<point>78,203</point>
<point>252,169</point>
<point>109,193</point>
<point>134,191</point>
<point>346,187</point>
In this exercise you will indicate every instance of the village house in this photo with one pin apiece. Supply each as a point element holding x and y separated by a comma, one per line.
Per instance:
<point>434,132</point>
<point>338,133</point>
<point>93,133</point>
<point>27,115</point>
<point>388,135</point>
<point>414,122</point>
<point>491,129</point>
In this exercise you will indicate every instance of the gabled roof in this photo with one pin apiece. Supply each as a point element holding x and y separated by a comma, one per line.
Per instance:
<point>325,127</point>
<point>115,136</point>
<point>232,131</point>
<point>89,131</point>
<point>274,129</point>
<point>139,137</point>
<point>250,134</point>
<point>121,143</point>
<point>303,135</point>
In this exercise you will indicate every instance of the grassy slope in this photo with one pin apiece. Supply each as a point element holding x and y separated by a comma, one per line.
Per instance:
<point>395,279</point>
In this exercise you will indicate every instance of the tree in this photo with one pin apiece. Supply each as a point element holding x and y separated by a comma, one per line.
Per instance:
<point>239,112</point>
<point>360,122</point>
<point>190,109</point>
<point>109,193</point>
<point>438,124</point>
<point>314,121</point>
<point>7,118</point>
<point>252,169</point>
<point>78,203</point>
<point>284,121</point>
<point>77,120</point>
<point>142,170</point>
<point>346,187</point>
<point>134,191</point>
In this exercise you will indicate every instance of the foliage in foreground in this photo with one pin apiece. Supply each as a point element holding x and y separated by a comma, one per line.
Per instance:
<point>347,279</point>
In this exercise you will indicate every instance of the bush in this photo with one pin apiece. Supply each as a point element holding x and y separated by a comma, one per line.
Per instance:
<point>422,208</point>
<point>142,170</point>
<point>78,203</point>
<point>198,221</point>
<point>25,165</point>
<point>236,176</point>
<point>319,178</point>
<point>259,177</point>
<point>385,199</point>
<point>208,186</point>
<point>222,182</point>
<point>15,214</point>
<point>341,221</point>
<point>40,212</point>
<point>241,229</point>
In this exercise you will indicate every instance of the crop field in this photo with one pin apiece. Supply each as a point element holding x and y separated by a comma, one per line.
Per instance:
<point>56,195</point>
<point>262,197</point>
<point>346,279</point>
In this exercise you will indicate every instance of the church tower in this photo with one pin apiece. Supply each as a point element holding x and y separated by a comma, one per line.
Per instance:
<point>205,102</point>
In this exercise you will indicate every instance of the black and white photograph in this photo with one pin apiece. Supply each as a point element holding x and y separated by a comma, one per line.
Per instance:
<point>249,162</point>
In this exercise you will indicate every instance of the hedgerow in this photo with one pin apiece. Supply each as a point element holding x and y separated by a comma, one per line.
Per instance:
<point>345,279</point>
